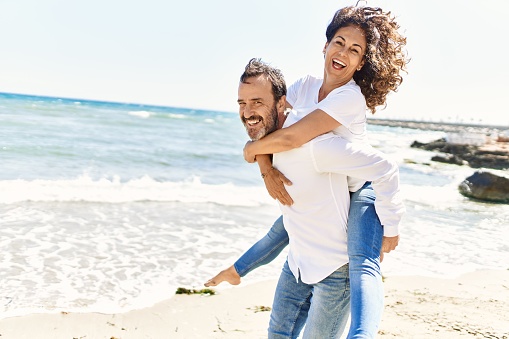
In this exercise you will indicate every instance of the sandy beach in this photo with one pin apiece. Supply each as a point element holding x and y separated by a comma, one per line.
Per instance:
<point>475,305</point>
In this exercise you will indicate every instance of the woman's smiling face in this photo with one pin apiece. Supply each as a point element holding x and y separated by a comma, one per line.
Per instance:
<point>344,54</point>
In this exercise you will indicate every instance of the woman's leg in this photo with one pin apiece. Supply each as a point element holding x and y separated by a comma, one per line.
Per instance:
<point>261,253</point>
<point>365,235</point>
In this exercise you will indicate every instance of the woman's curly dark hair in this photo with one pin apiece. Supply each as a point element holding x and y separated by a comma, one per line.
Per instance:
<point>384,58</point>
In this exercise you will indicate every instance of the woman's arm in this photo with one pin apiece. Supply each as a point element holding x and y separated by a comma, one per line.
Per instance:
<point>312,125</point>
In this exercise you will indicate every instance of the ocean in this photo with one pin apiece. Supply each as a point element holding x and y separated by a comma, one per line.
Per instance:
<point>110,207</point>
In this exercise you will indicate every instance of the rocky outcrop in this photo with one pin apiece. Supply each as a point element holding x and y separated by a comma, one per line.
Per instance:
<point>486,186</point>
<point>449,159</point>
<point>471,155</point>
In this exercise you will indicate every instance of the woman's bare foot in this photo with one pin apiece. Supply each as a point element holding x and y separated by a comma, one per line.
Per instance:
<point>229,275</point>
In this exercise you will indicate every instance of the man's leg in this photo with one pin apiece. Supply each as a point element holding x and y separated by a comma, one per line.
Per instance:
<point>290,307</point>
<point>364,243</point>
<point>330,306</point>
<point>261,253</point>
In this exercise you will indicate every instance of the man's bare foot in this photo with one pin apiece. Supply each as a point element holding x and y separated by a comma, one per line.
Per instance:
<point>229,275</point>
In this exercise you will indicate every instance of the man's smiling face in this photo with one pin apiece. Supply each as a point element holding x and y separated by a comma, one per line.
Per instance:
<point>257,107</point>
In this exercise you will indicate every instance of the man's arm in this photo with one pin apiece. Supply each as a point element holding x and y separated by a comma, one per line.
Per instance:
<point>274,180</point>
<point>335,154</point>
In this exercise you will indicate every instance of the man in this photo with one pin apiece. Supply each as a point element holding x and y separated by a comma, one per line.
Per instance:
<point>314,282</point>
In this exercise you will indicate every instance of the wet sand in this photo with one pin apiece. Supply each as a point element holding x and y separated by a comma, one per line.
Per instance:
<point>475,305</point>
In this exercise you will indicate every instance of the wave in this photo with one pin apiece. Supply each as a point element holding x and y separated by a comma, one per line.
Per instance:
<point>148,114</point>
<point>85,189</point>
<point>140,114</point>
<point>181,114</point>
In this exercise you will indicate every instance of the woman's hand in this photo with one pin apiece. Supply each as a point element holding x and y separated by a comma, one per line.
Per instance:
<point>275,183</point>
<point>388,244</point>
<point>250,158</point>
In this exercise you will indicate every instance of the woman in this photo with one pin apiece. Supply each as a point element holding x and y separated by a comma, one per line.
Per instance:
<point>363,60</point>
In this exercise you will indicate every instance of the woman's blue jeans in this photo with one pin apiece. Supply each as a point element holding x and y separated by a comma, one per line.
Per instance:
<point>364,244</point>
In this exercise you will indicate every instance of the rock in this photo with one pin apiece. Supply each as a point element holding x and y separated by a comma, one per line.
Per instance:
<point>486,186</point>
<point>449,159</point>
<point>471,155</point>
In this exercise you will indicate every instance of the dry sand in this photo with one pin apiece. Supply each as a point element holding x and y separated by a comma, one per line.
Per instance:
<point>475,305</point>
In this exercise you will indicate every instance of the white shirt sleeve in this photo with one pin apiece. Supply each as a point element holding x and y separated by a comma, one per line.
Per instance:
<point>345,104</point>
<point>334,154</point>
<point>355,184</point>
<point>292,93</point>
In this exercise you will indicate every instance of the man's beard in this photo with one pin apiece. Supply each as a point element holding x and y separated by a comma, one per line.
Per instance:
<point>269,125</point>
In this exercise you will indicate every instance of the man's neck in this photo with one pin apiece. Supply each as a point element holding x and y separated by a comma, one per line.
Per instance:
<point>281,117</point>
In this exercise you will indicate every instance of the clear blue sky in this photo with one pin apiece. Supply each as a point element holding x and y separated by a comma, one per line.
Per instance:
<point>191,53</point>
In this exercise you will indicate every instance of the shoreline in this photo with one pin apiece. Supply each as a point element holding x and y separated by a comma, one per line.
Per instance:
<point>470,306</point>
<point>438,126</point>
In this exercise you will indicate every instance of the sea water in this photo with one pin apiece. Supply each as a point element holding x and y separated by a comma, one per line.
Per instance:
<point>109,206</point>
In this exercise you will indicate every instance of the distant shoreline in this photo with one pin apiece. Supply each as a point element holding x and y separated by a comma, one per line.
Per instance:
<point>438,126</point>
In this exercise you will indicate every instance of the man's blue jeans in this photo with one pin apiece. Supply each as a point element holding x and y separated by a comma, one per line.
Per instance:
<point>322,307</point>
<point>364,243</point>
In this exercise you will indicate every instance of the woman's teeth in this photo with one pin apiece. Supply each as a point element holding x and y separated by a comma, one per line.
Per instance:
<point>338,63</point>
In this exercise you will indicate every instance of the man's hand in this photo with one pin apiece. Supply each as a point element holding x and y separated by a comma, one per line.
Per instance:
<point>275,183</point>
<point>250,158</point>
<point>388,244</point>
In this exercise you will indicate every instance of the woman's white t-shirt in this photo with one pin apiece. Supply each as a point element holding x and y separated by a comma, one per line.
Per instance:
<point>345,104</point>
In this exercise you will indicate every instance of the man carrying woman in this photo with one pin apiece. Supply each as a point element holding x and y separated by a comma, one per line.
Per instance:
<point>363,60</point>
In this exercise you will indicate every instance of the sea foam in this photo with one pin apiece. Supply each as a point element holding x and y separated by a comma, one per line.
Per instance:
<point>145,188</point>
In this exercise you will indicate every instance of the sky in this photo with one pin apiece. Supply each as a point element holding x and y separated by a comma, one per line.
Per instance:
<point>191,53</point>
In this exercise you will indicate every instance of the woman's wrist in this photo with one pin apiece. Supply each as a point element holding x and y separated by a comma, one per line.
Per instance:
<point>249,149</point>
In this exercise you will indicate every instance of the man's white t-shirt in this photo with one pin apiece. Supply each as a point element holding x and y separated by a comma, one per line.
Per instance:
<point>316,222</point>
